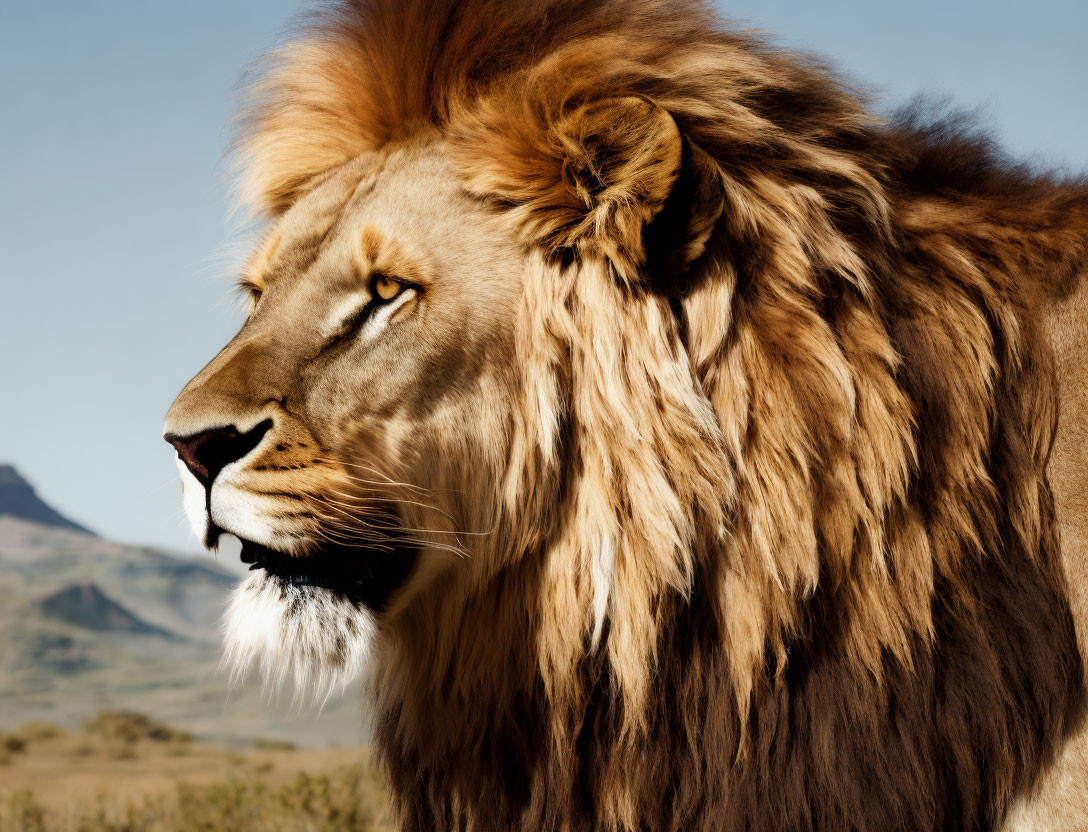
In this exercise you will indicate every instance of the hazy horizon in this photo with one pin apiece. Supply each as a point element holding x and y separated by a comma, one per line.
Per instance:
<point>117,245</point>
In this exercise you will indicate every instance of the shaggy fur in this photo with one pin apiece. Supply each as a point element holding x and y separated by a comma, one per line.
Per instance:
<point>775,547</point>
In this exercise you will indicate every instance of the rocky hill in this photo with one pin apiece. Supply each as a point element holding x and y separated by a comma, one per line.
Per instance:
<point>87,624</point>
<point>86,606</point>
<point>18,499</point>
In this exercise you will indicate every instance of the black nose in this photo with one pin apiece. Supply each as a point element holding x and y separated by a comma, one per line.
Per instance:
<point>210,451</point>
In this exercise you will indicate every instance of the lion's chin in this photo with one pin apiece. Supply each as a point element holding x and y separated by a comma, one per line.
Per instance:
<point>311,635</point>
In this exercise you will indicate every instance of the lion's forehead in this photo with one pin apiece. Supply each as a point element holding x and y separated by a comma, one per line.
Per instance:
<point>405,209</point>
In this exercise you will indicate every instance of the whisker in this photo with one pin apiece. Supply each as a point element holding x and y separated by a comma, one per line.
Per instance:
<point>396,533</point>
<point>387,479</point>
<point>397,526</point>
<point>383,498</point>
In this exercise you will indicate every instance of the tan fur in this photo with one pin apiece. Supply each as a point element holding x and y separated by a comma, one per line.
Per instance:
<point>1060,802</point>
<point>718,422</point>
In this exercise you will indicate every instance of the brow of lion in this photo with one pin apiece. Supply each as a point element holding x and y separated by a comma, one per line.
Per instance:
<point>246,287</point>
<point>384,254</point>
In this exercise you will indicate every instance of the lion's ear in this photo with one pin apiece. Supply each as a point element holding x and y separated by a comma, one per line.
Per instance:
<point>622,158</point>
<point>612,176</point>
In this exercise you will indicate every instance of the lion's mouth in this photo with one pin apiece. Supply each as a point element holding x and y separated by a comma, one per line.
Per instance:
<point>357,574</point>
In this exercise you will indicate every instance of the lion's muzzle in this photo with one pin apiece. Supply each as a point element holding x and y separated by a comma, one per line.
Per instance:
<point>208,452</point>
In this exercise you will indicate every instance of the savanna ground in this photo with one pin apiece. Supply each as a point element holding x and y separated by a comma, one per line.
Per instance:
<point>126,773</point>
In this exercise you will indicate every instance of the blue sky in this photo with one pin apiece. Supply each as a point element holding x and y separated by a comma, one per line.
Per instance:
<point>117,245</point>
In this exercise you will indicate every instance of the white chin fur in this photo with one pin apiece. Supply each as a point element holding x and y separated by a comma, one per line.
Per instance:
<point>309,635</point>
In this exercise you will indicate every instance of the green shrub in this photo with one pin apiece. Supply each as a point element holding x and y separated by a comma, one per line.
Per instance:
<point>21,811</point>
<point>132,726</point>
<point>39,731</point>
<point>273,745</point>
<point>123,752</point>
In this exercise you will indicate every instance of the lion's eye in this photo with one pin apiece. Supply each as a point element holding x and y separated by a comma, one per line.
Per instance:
<point>385,287</point>
<point>348,320</point>
<point>251,294</point>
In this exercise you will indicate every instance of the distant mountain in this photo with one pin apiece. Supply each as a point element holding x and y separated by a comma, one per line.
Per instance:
<point>88,624</point>
<point>18,499</point>
<point>85,605</point>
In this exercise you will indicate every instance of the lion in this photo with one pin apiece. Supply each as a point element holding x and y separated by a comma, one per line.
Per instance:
<point>672,443</point>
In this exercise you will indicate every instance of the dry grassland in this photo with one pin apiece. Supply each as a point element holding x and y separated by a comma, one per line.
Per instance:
<point>125,773</point>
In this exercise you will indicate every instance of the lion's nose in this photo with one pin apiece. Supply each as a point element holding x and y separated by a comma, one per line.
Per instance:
<point>210,451</point>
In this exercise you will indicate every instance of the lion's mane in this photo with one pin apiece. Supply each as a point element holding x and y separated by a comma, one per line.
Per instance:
<point>778,549</point>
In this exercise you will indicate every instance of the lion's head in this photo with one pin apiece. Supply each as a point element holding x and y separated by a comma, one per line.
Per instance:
<point>351,434</point>
<point>392,410</point>
<point>588,379</point>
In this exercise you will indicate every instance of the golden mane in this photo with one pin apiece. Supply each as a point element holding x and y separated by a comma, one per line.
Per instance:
<point>804,446</point>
